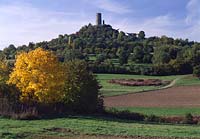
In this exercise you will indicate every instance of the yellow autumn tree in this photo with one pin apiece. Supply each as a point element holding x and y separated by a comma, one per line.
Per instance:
<point>39,76</point>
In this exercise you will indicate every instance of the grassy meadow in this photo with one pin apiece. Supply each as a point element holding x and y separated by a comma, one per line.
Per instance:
<point>161,111</point>
<point>109,89</point>
<point>76,126</point>
<point>188,80</point>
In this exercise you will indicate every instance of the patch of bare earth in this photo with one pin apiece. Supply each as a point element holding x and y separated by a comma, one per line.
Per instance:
<point>183,96</point>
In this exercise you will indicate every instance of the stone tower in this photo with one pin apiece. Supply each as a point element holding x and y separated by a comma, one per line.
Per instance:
<point>98,19</point>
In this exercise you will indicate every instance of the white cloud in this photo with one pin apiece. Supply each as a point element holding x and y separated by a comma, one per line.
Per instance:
<point>188,27</point>
<point>193,20</point>
<point>156,26</point>
<point>193,12</point>
<point>22,23</point>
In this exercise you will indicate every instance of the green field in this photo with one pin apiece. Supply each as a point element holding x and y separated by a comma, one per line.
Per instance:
<point>188,80</point>
<point>162,111</point>
<point>93,126</point>
<point>109,89</point>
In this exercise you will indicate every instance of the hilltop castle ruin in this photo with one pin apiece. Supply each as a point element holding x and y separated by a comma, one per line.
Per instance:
<point>99,19</point>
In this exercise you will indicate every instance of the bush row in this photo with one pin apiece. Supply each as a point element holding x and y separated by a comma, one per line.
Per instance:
<point>127,115</point>
<point>23,111</point>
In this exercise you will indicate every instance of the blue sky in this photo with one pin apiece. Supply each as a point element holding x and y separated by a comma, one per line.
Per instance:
<point>24,21</point>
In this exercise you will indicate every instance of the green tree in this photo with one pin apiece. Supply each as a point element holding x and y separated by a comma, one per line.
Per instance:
<point>100,58</point>
<point>196,54</point>
<point>71,54</point>
<point>121,36</point>
<point>123,56</point>
<point>161,55</point>
<point>81,87</point>
<point>10,52</point>
<point>138,54</point>
<point>141,35</point>
<point>2,56</point>
<point>4,72</point>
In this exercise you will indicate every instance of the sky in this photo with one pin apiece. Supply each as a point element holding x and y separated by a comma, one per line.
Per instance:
<point>24,21</point>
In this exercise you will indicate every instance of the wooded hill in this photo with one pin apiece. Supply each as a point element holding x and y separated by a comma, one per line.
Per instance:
<point>108,50</point>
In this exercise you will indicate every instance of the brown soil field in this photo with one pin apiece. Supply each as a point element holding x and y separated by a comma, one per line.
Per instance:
<point>183,96</point>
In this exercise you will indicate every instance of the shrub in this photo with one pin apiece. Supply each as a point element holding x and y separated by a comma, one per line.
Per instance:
<point>196,71</point>
<point>152,118</point>
<point>127,115</point>
<point>188,119</point>
<point>81,87</point>
<point>172,120</point>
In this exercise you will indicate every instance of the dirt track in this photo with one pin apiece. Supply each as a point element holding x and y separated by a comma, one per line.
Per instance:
<point>183,96</point>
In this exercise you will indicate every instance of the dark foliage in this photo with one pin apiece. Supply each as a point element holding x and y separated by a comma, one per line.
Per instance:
<point>196,71</point>
<point>124,115</point>
<point>188,119</point>
<point>81,88</point>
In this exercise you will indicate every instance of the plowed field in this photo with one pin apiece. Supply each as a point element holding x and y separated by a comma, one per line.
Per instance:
<point>182,96</point>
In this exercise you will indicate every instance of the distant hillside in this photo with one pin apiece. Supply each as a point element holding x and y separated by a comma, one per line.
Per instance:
<point>94,39</point>
<point>101,44</point>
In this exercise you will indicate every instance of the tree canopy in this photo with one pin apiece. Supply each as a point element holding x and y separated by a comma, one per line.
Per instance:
<point>39,76</point>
